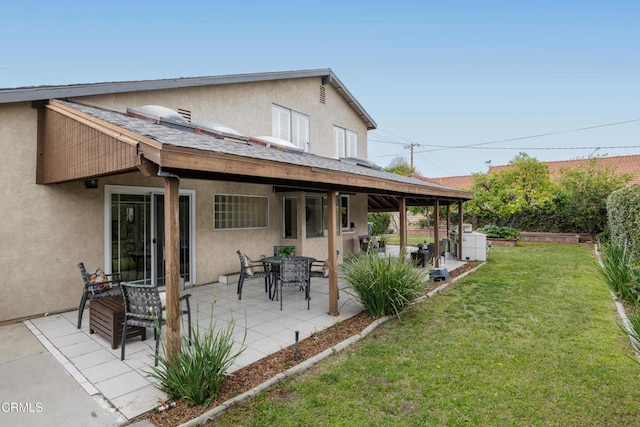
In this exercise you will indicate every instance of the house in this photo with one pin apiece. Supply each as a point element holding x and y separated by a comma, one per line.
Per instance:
<point>618,165</point>
<point>163,180</point>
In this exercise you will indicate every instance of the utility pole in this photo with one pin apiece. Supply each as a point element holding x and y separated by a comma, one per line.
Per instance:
<point>410,147</point>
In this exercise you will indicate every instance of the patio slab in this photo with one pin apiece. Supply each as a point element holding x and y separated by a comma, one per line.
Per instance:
<point>118,391</point>
<point>125,386</point>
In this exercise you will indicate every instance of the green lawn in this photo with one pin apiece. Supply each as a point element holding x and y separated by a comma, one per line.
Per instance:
<point>530,339</point>
<point>394,239</point>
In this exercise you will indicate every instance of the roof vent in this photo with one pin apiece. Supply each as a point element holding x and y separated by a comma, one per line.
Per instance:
<point>156,113</point>
<point>323,95</point>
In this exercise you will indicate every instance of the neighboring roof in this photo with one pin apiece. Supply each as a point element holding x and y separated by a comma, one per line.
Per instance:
<point>619,165</point>
<point>202,156</point>
<point>463,182</point>
<point>37,93</point>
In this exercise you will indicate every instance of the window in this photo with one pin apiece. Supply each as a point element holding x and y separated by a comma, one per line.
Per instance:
<point>345,214</point>
<point>236,211</point>
<point>345,142</point>
<point>290,218</point>
<point>290,125</point>
<point>315,215</point>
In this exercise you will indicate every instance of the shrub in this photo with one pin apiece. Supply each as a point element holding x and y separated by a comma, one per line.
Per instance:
<point>618,274</point>
<point>383,285</point>
<point>498,232</point>
<point>200,369</point>
<point>623,214</point>
<point>381,221</point>
<point>634,329</point>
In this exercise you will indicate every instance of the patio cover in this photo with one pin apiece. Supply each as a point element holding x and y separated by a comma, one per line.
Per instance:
<point>78,142</point>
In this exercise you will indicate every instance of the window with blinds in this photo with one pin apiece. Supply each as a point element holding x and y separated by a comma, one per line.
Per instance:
<point>290,125</point>
<point>345,142</point>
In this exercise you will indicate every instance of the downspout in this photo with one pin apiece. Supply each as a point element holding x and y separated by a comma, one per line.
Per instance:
<point>164,174</point>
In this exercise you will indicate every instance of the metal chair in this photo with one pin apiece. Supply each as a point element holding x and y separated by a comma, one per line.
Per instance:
<point>252,270</point>
<point>295,272</point>
<point>443,249</point>
<point>143,307</point>
<point>320,269</point>
<point>89,294</point>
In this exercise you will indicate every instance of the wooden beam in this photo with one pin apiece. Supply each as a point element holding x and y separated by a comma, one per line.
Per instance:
<point>332,229</point>
<point>172,265</point>
<point>402,210</point>
<point>147,167</point>
<point>436,232</point>
<point>460,220</point>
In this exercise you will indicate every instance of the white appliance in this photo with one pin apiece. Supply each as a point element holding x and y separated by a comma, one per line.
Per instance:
<point>474,246</point>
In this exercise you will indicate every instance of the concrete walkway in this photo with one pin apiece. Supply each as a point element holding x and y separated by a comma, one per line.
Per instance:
<point>36,390</point>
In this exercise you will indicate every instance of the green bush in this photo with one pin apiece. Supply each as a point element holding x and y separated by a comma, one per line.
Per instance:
<point>618,274</point>
<point>383,285</point>
<point>498,232</point>
<point>197,374</point>
<point>634,329</point>
<point>381,221</point>
<point>623,215</point>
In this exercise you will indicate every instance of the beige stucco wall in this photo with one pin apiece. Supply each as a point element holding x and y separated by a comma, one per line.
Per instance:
<point>46,230</point>
<point>246,107</point>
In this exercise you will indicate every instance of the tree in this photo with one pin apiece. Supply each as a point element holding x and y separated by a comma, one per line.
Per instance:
<point>504,197</point>
<point>380,222</point>
<point>583,196</point>
<point>400,166</point>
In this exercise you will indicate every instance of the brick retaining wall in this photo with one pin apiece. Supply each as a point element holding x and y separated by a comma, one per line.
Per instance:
<point>527,236</point>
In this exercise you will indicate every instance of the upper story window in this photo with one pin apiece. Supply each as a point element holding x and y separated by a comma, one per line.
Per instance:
<point>291,126</point>
<point>345,142</point>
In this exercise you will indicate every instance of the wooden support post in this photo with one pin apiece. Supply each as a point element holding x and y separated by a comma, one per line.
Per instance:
<point>436,232</point>
<point>332,217</point>
<point>172,265</point>
<point>460,229</point>
<point>402,211</point>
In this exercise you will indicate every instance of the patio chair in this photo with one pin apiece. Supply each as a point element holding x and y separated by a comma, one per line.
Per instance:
<point>295,272</point>
<point>252,270</point>
<point>143,306</point>
<point>443,249</point>
<point>108,286</point>
<point>320,269</point>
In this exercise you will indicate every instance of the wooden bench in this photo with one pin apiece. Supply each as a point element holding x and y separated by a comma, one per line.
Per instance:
<point>106,316</point>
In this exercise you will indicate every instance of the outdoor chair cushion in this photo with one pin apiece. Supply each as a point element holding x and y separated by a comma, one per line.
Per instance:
<point>99,282</point>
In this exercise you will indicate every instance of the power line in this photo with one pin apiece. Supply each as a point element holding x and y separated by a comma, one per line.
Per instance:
<point>479,144</point>
<point>526,148</point>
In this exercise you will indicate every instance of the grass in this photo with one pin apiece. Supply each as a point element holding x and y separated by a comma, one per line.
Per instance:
<point>394,239</point>
<point>532,338</point>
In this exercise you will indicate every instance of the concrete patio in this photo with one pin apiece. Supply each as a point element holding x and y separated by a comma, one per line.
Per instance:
<point>123,388</point>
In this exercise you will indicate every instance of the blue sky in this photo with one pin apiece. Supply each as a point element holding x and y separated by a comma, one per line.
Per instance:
<point>444,76</point>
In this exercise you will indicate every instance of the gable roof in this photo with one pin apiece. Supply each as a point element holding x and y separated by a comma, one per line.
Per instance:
<point>81,142</point>
<point>619,165</point>
<point>38,93</point>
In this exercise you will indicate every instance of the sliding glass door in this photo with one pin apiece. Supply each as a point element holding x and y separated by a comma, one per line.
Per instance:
<point>136,233</point>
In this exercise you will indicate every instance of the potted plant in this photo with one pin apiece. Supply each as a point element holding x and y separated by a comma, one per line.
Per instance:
<point>287,251</point>
<point>382,243</point>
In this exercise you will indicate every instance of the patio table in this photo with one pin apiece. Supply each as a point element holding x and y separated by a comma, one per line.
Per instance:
<point>274,268</point>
